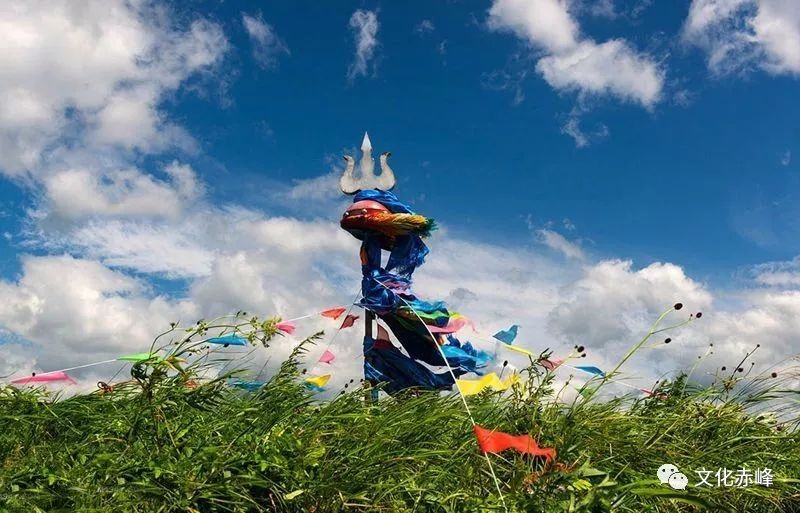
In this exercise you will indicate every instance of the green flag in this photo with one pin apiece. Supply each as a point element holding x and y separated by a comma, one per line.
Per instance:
<point>138,357</point>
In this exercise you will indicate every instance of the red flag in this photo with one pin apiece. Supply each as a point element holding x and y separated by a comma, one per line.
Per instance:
<point>497,441</point>
<point>348,321</point>
<point>333,313</point>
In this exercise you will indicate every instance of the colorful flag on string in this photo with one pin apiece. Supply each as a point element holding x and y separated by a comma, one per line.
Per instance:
<point>551,364</point>
<point>318,382</point>
<point>228,340</point>
<point>507,336</point>
<point>591,370</point>
<point>45,377</point>
<point>138,357</point>
<point>491,380</point>
<point>650,393</point>
<point>496,442</point>
<point>348,321</point>
<point>517,349</point>
<point>250,386</point>
<point>327,357</point>
<point>333,313</point>
<point>286,327</point>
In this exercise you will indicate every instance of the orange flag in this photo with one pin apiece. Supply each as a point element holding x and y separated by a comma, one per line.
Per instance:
<point>333,313</point>
<point>497,441</point>
<point>348,321</point>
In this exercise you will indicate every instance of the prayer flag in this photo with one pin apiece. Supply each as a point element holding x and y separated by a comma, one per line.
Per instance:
<point>333,313</point>
<point>348,321</point>
<point>327,357</point>
<point>45,377</point>
<point>591,370</point>
<point>497,441</point>
<point>228,340</point>
<point>286,327</point>
<point>507,336</point>
<point>491,380</point>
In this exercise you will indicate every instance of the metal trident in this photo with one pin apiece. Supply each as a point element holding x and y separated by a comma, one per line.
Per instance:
<point>350,184</point>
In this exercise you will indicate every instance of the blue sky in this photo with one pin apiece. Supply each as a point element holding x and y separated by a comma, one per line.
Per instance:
<point>570,133</point>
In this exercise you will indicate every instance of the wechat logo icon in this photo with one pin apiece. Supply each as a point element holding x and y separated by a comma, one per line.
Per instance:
<point>669,474</point>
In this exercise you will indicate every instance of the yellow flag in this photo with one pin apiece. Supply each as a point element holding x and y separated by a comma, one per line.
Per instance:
<point>491,380</point>
<point>319,381</point>
<point>517,349</point>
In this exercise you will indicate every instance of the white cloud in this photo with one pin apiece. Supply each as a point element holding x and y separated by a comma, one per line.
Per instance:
<point>267,46</point>
<point>89,79</point>
<point>364,25</point>
<point>424,27</point>
<point>83,192</point>
<point>739,34</point>
<point>778,274</point>
<point>79,311</point>
<point>786,158</point>
<point>572,62</point>
<point>558,242</point>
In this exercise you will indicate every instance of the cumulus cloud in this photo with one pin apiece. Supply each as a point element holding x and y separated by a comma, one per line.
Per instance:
<point>267,46</point>
<point>81,311</point>
<point>364,25</point>
<point>573,62</point>
<point>741,34</point>
<point>82,88</point>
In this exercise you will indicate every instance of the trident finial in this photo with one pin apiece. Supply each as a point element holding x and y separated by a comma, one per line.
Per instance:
<point>367,179</point>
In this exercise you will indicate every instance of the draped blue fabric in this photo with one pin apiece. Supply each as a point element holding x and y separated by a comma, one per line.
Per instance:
<point>386,364</point>
<point>386,293</point>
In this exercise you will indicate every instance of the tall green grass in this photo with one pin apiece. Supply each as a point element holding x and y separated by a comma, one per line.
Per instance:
<point>155,444</point>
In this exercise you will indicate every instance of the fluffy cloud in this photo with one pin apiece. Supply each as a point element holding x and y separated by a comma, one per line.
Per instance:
<point>364,25</point>
<point>572,62</point>
<point>81,90</point>
<point>738,34</point>
<point>80,311</point>
<point>267,46</point>
<point>77,193</point>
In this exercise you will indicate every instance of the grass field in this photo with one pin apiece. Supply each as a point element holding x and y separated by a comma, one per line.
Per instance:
<point>156,444</point>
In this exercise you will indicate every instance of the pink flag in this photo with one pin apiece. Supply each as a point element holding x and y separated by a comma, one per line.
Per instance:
<point>45,377</point>
<point>551,364</point>
<point>286,327</point>
<point>333,313</point>
<point>453,325</point>
<point>349,321</point>
<point>327,357</point>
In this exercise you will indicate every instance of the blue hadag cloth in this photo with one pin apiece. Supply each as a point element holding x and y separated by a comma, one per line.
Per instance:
<point>228,340</point>
<point>386,364</point>
<point>507,336</point>
<point>591,370</point>
<point>417,342</point>
<point>464,356</point>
